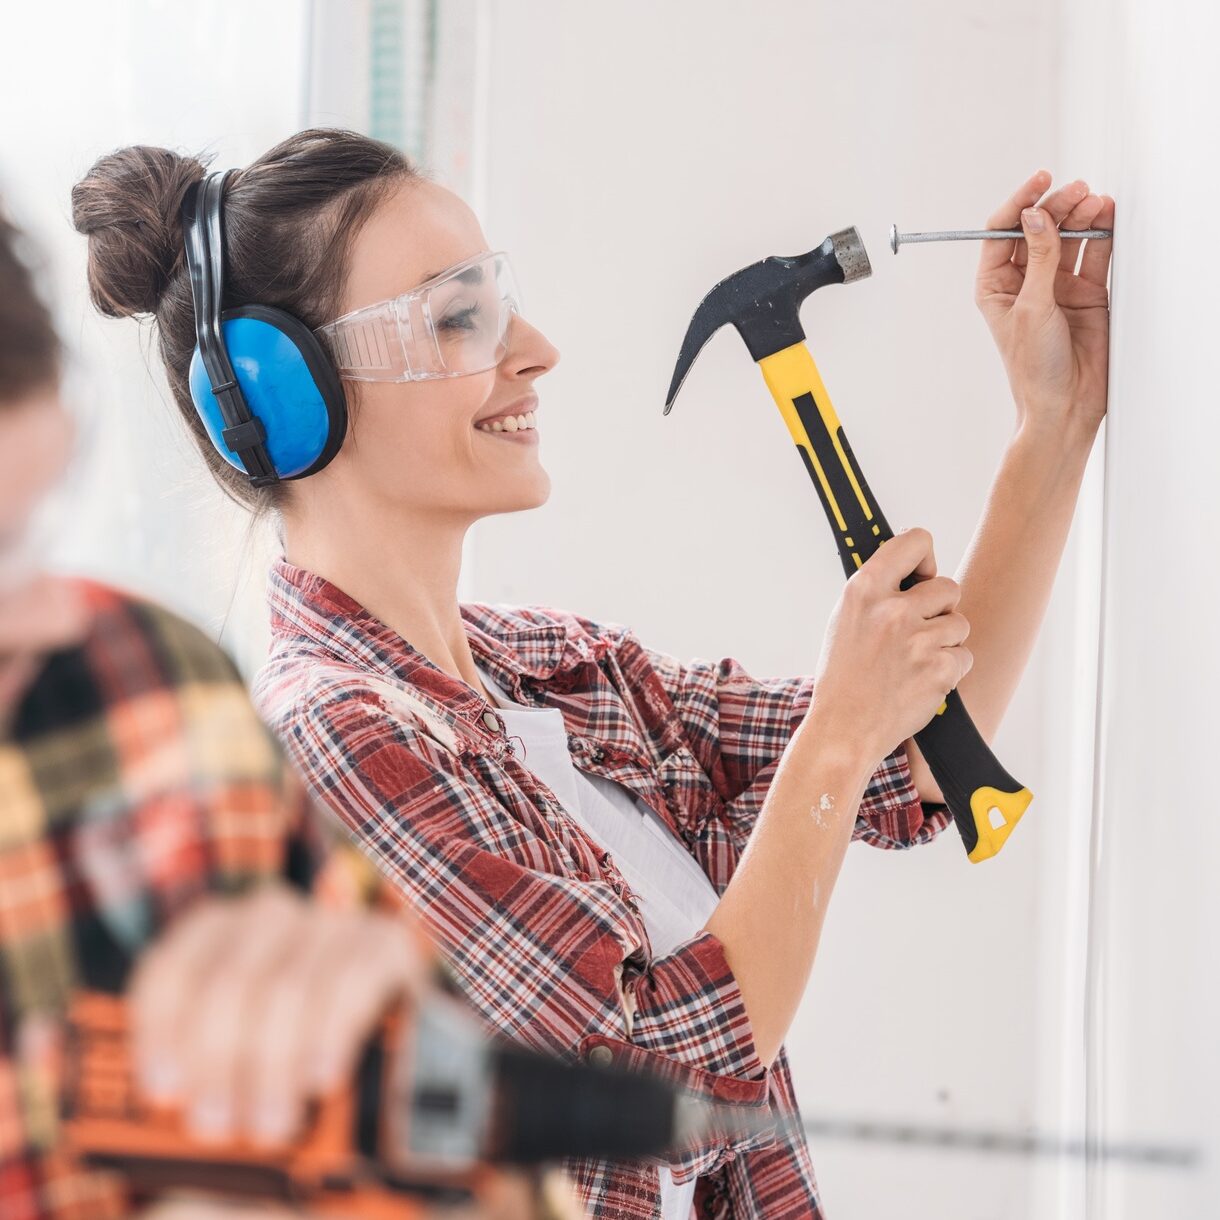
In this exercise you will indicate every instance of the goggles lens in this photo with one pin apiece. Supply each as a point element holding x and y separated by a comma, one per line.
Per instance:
<point>456,323</point>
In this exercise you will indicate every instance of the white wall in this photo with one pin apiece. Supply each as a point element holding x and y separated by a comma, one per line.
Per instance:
<point>638,153</point>
<point>1146,100</point>
<point>86,79</point>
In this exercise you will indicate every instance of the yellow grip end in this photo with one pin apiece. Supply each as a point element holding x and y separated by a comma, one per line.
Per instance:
<point>995,815</point>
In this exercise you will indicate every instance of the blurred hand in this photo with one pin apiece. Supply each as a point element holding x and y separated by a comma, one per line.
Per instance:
<point>248,1007</point>
<point>1050,322</point>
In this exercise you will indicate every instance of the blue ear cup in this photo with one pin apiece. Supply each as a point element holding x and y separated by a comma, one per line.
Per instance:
<point>268,396</point>
<point>288,384</point>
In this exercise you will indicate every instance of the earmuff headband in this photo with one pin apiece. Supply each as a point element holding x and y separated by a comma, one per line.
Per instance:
<point>202,225</point>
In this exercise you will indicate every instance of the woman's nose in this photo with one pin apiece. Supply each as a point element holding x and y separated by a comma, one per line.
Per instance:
<point>529,348</point>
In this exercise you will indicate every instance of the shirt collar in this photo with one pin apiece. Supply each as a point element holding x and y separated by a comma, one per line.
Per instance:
<point>307,609</point>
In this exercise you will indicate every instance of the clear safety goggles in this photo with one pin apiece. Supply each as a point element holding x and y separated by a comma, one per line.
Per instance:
<point>451,325</point>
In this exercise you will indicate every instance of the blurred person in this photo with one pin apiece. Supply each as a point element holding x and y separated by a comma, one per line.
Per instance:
<point>624,856</point>
<point>153,837</point>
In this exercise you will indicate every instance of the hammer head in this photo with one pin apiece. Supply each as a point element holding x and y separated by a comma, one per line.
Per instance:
<point>764,300</point>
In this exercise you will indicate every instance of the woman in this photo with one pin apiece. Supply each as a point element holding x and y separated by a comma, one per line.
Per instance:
<point>622,856</point>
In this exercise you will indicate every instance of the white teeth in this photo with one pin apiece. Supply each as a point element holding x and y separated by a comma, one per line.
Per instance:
<point>511,423</point>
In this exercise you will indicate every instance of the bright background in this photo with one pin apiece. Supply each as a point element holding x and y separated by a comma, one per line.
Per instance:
<point>1032,1037</point>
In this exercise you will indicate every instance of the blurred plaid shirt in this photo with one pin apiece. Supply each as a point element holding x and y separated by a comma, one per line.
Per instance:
<point>544,935</point>
<point>134,777</point>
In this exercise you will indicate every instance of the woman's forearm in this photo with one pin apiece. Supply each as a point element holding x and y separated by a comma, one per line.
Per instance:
<point>769,919</point>
<point>1009,569</point>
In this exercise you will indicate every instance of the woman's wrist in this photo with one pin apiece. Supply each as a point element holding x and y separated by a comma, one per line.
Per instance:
<point>834,752</point>
<point>1044,458</point>
<point>1064,432</point>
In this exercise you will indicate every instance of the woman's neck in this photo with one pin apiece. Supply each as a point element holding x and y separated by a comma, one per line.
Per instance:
<point>405,574</point>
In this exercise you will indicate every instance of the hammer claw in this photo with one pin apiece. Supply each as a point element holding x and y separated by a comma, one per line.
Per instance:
<point>763,300</point>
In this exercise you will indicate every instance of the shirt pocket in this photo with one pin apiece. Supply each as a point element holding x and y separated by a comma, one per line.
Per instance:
<point>690,795</point>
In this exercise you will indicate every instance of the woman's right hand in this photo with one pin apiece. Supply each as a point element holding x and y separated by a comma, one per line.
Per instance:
<point>250,1006</point>
<point>889,656</point>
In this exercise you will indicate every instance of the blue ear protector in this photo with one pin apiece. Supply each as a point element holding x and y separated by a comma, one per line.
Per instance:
<point>263,385</point>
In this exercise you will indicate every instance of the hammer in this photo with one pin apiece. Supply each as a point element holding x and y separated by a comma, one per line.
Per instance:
<point>763,302</point>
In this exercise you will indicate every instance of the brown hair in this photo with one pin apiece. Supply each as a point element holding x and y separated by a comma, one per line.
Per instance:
<point>30,350</point>
<point>289,218</point>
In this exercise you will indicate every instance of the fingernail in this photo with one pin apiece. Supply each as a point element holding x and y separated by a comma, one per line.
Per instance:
<point>273,1121</point>
<point>327,1071</point>
<point>211,1118</point>
<point>1034,220</point>
<point>160,1079</point>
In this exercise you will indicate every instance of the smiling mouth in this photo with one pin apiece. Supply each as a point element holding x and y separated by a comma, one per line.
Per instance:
<point>509,424</point>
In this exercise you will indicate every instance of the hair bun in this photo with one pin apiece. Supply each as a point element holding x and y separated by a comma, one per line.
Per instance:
<point>129,206</point>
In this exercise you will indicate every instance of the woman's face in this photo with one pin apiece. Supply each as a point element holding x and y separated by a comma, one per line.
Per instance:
<point>35,442</point>
<point>38,613</point>
<point>418,444</point>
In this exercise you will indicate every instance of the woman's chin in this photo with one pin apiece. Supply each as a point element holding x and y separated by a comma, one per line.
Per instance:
<point>524,495</point>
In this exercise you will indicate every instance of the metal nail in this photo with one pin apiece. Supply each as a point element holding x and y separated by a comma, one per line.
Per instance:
<point>897,239</point>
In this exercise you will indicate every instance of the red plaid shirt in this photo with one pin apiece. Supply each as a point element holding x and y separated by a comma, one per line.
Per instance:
<point>543,933</point>
<point>135,776</point>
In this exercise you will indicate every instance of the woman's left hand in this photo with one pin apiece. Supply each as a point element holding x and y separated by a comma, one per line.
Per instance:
<point>1050,322</point>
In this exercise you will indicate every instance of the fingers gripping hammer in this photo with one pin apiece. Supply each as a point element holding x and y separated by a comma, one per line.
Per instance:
<point>763,302</point>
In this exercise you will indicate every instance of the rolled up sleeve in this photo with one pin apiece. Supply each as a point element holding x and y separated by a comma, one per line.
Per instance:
<point>738,727</point>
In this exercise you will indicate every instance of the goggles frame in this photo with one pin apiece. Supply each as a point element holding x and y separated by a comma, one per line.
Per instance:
<point>396,339</point>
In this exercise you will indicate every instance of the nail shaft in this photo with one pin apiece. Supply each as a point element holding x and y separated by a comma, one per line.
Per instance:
<point>897,239</point>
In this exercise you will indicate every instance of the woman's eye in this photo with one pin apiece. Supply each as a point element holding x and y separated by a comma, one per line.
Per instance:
<point>461,320</point>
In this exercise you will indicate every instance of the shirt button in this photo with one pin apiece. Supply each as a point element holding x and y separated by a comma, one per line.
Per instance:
<point>492,721</point>
<point>601,1056</point>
